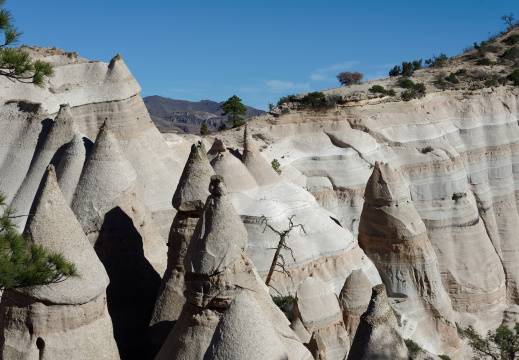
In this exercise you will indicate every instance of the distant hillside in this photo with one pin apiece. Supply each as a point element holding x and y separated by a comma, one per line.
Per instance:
<point>186,116</point>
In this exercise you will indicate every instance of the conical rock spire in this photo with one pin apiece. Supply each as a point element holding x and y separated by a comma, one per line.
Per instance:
<point>244,332</point>
<point>192,191</point>
<point>207,253</point>
<point>189,199</point>
<point>257,165</point>
<point>378,335</point>
<point>66,320</point>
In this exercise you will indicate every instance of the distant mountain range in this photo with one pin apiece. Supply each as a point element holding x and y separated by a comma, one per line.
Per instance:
<point>183,116</point>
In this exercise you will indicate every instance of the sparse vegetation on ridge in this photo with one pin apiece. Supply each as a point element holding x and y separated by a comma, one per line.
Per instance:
<point>349,78</point>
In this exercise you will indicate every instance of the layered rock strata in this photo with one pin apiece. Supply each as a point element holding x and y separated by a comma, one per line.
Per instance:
<point>455,149</point>
<point>94,90</point>
<point>217,270</point>
<point>325,249</point>
<point>378,335</point>
<point>316,307</point>
<point>66,320</point>
<point>189,200</point>
<point>394,236</point>
<point>354,300</point>
<point>110,209</point>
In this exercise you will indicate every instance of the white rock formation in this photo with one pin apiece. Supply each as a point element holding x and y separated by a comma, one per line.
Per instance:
<point>245,332</point>
<point>394,236</point>
<point>278,200</point>
<point>189,199</point>
<point>354,300</point>
<point>217,270</point>
<point>316,307</point>
<point>378,335</point>
<point>67,320</point>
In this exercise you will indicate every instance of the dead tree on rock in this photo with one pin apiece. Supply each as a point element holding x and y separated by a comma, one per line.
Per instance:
<point>278,259</point>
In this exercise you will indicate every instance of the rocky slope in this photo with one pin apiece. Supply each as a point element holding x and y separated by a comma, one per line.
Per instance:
<point>183,116</point>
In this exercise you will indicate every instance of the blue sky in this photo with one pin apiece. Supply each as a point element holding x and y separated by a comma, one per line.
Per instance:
<point>258,50</point>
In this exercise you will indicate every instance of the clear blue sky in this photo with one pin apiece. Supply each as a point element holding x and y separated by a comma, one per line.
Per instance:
<point>258,50</point>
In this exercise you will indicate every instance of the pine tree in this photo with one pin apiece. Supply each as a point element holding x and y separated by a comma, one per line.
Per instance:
<point>16,64</point>
<point>233,107</point>
<point>23,264</point>
<point>204,130</point>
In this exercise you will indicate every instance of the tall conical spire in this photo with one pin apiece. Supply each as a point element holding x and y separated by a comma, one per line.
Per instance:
<point>54,226</point>
<point>257,165</point>
<point>192,191</point>
<point>207,253</point>
<point>244,332</point>
<point>378,336</point>
<point>189,199</point>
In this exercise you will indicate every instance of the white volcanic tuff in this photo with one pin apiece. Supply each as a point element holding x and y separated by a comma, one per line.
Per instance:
<point>394,237</point>
<point>94,90</point>
<point>208,293</point>
<point>378,336</point>
<point>108,182</point>
<point>64,320</point>
<point>457,153</point>
<point>278,201</point>
<point>71,165</point>
<point>189,199</point>
<point>244,332</point>
<point>354,300</point>
<point>316,307</point>
<point>61,132</point>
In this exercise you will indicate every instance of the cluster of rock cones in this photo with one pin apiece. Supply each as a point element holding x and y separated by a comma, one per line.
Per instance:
<point>211,302</point>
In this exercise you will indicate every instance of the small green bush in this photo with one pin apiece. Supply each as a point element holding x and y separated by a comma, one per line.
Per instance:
<point>485,62</point>
<point>452,78</point>
<point>512,39</point>
<point>314,99</point>
<point>380,89</point>
<point>285,99</point>
<point>444,357</point>
<point>276,166</point>
<point>420,87</point>
<point>413,347</point>
<point>461,72</point>
<point>417,64</point>
<point>407,68</point>
<point>514,76</point>
<point>408,95</point>
<point>204,130</point>
<point>490,82</point>
<point>285,304</point>
<point>395,71</point>
<point>436,61</point>
<point>502,81</point>
<point>406,83</point>
<point>510,54</point>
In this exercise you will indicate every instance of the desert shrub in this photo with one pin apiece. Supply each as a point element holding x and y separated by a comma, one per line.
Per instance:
<point>391,92</point>
<point>395,71</point>
<point>512,39</point>
<point>408,95</point>
<point>485,62</point>
<point>490,83</point>
<point>452,78</point>
<point>314,99</point>
<point>381,90</point>
<point>510,54</point>
<point>349,78</point>
<point>286,99</point>
<point>419,87</point>
<point>467,49</point>
<point>204,130</point>
<point>436,61</point>
<point>444,357</point>
<point>481,75</point>
<point>502,81</point>
<point>413,347</point>
<point>461,72</point>
<point>514,76</point>
<point>407,68</point>
<point>285,304</point>
<point>417,64</point>
<point>276,166</point>
<point>406,83</point>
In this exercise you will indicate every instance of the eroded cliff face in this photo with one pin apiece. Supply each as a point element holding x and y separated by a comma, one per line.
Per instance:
<point>456,152</point>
